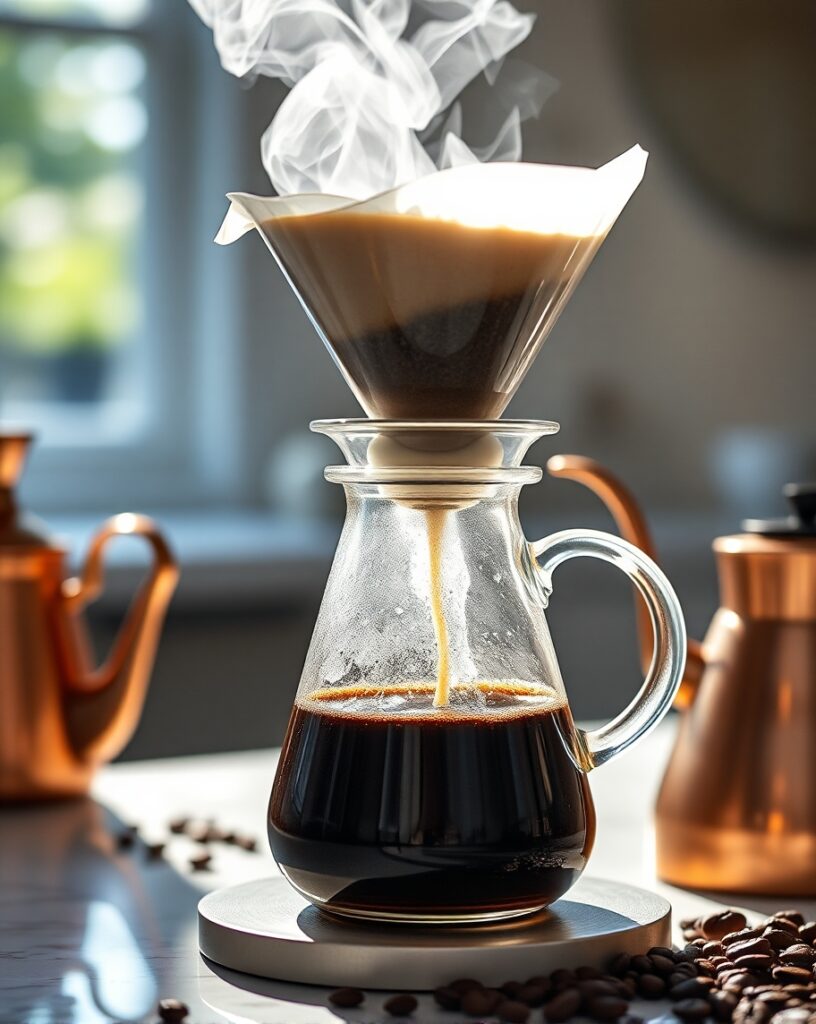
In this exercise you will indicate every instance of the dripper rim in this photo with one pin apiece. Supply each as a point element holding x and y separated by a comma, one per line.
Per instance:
<point>343,425</point>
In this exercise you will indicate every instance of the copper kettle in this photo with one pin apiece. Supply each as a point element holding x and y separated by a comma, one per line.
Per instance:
<point>60,717</point>
<point>737,807</point>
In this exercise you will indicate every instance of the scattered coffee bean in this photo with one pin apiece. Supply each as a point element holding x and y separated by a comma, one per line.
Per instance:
<point>400,1006</point>
<point>562,978</point>
<point>741,936</point>
<point>513,1012</point>
<point>563,1006</point>
<point>154,851</point>
<point>691,1009</point>
<point>178,825</point>
<point>126,836</point>
<point>794,916</point>
<point>462,985</point>
<point>642,964</point>
<point>346,998</point>
<point>783,924</point>
<point>531,995</point>
<point>200,861</point>
<point>790,975</point>
<point>650,986</point>
<point>692,988</point>
<point>807,932</point>
<point>778,938</point>
<point>480,1002</point>
<point>620,964</point>
<point>717,926</point>
<point>722,1005</point>
<point>755,962</point>
<point>662,964</point>
<point>795,1015</point>
<point>172,1011</point>
<point>510,988</point>
<point>798,955</point>
<point>447,998</point>
<point>606,1007</point>
<point>248,843</point>
<point>596,987</point>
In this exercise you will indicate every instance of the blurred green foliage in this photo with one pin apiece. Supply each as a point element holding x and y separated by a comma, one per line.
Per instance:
<point>71,125</point>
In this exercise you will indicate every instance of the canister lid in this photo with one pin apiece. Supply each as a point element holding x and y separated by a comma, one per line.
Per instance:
<point>800,523</point>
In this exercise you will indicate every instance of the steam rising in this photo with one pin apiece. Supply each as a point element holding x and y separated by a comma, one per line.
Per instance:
<point>372,83</point>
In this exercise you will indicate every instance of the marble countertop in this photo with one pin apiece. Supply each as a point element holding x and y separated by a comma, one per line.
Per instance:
<point>90,933</point>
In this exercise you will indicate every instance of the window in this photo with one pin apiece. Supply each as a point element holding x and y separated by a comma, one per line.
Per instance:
<point>112,315</point>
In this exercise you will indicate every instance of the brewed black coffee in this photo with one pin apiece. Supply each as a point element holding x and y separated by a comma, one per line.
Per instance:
<point>417,811</point>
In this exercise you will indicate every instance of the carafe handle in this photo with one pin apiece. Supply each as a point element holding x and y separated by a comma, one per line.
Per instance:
<point>668,660</point>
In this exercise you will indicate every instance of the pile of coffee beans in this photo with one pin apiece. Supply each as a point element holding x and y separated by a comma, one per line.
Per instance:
<point>727,973</point>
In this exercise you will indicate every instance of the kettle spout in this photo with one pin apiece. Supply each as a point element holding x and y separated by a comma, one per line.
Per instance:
<point>633,527</point>
<point>103,704</point>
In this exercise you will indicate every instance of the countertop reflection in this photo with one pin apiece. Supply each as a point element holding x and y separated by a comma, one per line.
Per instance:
<point>92,933</point>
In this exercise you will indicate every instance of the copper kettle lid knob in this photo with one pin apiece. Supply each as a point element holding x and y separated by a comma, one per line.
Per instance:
<point>800,523</point>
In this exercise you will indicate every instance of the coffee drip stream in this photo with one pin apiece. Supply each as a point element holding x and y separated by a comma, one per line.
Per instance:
<point>434,298</point>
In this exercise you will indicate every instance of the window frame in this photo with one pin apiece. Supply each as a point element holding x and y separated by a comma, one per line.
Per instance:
<point>190,449</point>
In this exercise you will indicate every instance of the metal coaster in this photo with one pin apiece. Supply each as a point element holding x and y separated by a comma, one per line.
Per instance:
<point>267,929</point>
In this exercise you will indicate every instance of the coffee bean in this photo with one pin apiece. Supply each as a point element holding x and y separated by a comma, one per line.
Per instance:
<point>749,1012</point>
<point>563,1006</point>
<point>127,836</point>
<point>740,980</point>
<point>782,924</point>
<point>462,985</point>
<point>447,998</point>
<point>587,973</point>
<point>799,991</point>
<point>642,964</point>
<point>712,949</point>
<point>717,926</point>
<point>199,832</point>
<point>690,933</point>
<point>807,932</point>
<point>722,1005</point>
<point>596,987</point>
<point>749,947</point>
<point>154,851</point>
<point>662,964</point>
<point>480,1002</point>
<point>755,962</point>
<point>795,1015</point>
<point>692,988</point>
<point>798,955</point>
<point>742,936</point>
<point>606,1007</point>
<point>661,951</point>
<point>346,998</point>
<point>650,986</point>
<point>694,952</point>
<point>172,1011</point>
<point>630,984</point>
<point>778,938</point>
<point>201,861</point>
<point>788,974</point>
<point>794,916</point>
<point>178,825</point>
<point>532,995</point>
<point>510,988</point>
<point>620,964</point>
<point>691,1009</point>
<point>400,1006</point>
<point>686,969</point>
<point>515,1013</point>
<point>247,843</point>
<point>562,978</point>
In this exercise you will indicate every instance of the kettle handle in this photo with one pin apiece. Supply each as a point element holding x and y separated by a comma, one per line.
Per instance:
<point>632,524</point>
<point>148,606</point>
<point>666,666</point>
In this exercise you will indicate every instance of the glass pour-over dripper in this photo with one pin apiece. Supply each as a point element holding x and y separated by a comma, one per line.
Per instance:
<point>434,298</point>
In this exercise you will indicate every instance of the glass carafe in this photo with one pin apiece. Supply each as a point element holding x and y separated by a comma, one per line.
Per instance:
<point>432,770</point>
